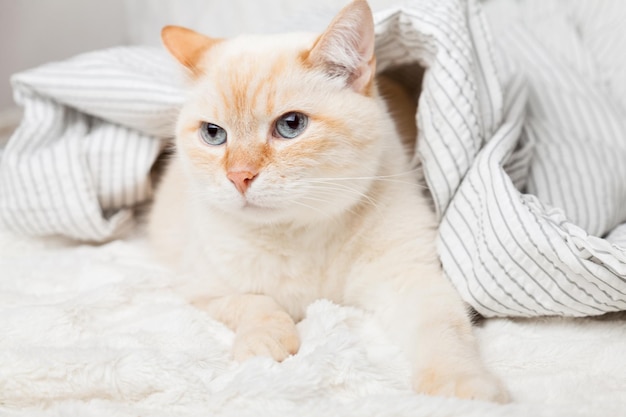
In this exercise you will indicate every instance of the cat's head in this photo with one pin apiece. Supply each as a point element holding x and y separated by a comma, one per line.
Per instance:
<point>281,127</point>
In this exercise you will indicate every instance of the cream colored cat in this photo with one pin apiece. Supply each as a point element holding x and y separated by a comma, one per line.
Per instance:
<point>290,184</point>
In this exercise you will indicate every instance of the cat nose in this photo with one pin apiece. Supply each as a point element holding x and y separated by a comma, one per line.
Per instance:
<point>241,179</point>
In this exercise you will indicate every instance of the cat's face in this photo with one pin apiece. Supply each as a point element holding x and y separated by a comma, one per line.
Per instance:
<point>276,129</point>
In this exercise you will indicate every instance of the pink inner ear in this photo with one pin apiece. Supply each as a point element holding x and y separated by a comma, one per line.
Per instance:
<point>363,79</point>
<point>346,48</point>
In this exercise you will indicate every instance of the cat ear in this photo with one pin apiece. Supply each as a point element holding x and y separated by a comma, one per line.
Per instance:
<point>346,48</point>
<point>187,46</point>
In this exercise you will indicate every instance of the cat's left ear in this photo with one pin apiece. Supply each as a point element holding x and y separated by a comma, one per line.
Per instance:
<point>346,48</point>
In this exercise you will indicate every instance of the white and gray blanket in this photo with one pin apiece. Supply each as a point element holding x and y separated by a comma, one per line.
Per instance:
<point>522,136</point>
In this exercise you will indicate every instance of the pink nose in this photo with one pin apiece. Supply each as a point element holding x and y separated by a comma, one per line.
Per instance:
<point>241,179</point>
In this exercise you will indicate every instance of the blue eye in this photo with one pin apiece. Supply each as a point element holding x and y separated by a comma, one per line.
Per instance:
<point>291,124</point>
<point>212,134</point>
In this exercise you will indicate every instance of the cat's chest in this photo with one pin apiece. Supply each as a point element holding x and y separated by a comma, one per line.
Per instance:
<point>294,270</point>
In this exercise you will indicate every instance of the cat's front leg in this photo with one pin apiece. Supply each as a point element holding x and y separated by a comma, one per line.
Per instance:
<point>262,327</point>
<point>424,315</point>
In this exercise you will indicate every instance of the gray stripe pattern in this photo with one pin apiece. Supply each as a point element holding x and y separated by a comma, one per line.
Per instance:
<point>92,128</point>
<point>522,147</point>
<point>521,139</point>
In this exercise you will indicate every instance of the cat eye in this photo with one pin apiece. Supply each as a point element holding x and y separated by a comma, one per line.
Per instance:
<point>291,124</point>
<point>212,134</point>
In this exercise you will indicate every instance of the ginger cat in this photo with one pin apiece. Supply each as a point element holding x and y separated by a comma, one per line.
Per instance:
<point>289,184</point>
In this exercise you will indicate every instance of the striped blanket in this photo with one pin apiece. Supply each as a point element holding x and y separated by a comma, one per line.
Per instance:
<point>522,137</point>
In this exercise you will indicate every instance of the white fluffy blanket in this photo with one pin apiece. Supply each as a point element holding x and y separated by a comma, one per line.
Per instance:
<point>94,331</point>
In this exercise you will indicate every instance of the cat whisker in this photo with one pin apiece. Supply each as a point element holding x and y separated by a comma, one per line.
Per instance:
<point>349,210</point>
<point>373,177</point>
<point>330,186</point>
<point>416,169</point>
<point>300,203</point>
<point>408,183</point>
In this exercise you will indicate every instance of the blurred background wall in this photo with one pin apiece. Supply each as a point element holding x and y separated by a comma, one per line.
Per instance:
<point>33,32</point>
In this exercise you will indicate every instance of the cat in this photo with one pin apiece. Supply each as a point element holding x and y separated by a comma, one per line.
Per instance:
<point>290,183</point>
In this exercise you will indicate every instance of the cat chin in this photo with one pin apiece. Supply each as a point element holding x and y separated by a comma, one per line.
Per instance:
<point>267,216</point>
<point>258,215</point>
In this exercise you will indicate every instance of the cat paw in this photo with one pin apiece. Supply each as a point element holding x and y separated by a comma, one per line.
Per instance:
<point>473,386</point>
<point>275,336</point>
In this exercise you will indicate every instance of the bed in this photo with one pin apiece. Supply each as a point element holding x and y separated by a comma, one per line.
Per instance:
<point>522,144</point>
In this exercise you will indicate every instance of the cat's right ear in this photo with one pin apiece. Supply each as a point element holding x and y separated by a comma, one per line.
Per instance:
<point>187,46</point>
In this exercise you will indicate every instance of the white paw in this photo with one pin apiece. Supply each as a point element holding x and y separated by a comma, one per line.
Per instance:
<point>474,386</point>
<point>275,336</point>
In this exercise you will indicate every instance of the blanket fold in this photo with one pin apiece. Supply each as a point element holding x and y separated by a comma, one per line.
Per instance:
<point>521,141</point>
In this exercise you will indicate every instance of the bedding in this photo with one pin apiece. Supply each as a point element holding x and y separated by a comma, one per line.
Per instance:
<point>522,145</point>
<point>93,330</point>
